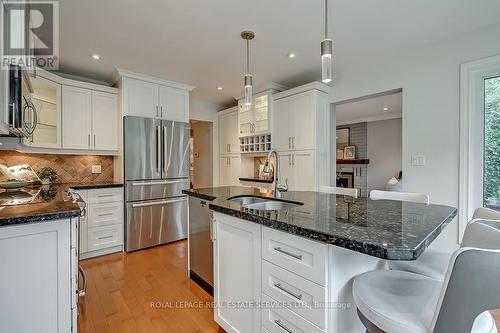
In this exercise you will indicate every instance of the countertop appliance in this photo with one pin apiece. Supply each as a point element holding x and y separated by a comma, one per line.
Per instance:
<point>201,262</point>
<point>156,170</point>
<point>22,112</point>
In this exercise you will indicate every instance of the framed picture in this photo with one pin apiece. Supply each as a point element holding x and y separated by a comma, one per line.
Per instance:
<point>340,154</point>
<point>350,152</point>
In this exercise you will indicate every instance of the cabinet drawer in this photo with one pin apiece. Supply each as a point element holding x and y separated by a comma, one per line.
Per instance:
<point>105,195</point>
<point>82,226</point>
<point>279,320</point>
<point>105,214</point>
<point>306,258</point>
<point>307,298</point>
<point>105,236</point>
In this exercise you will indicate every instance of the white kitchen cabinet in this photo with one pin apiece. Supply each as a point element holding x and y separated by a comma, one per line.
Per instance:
<point>229,170</point>
<point>286,171</point>
<point>140,98</point>
<point>77,115</point>
<point>283,114</point>
<point>257,118</point>
<point>228,132</point>
<point>237,274</point>
<point>146,96</point>
<point>105,121</point>
<point>37,283</point>
<point>304,171</point>
<point>90,119</point>
<point>174,104</point>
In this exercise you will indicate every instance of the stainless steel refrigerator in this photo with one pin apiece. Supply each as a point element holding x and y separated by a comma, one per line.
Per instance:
<point>156,169</point>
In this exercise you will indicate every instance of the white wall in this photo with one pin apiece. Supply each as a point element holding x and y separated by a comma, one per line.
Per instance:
<point>429,77</point>
<point>384,149</point>
<point>208,112</point>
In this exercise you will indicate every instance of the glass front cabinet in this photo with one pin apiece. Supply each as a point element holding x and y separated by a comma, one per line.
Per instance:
<point>255,119</point>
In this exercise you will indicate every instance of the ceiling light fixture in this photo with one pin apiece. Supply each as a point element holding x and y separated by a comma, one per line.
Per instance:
<point>386,109</point>
<point>248,36</point>
<point>96,57</point>
<point>326,52</point>
<point>219,88</point>
<point>291,55</point>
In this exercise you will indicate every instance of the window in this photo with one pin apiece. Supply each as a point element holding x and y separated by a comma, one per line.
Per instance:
<point>491,162</point>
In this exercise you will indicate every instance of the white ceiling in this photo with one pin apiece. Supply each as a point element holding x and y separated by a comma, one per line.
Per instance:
<point>370,109</point>
<point>197,41</point>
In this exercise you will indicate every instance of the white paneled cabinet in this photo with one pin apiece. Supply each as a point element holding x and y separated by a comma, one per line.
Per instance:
<point>228,132</point>
<point>229,170</point>
<point>237,274</point>
<point>77,115</point>
<point>297,170</point>
<point>90,119</point>
<point>150,97</point>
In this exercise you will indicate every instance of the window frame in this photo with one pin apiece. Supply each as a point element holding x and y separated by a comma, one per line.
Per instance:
<point>472,76</point>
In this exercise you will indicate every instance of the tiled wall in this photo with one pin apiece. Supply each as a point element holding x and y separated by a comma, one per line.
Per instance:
<point>358,138</point>
<point>70,168</point>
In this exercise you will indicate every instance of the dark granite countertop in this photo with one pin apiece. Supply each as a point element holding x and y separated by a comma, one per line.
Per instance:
<point>257,180</point>
<point>36,204</point>
<point>94,186</point>
<point>386,229</point>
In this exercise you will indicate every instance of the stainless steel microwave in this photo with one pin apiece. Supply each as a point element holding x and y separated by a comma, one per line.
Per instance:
<point>22,113</point>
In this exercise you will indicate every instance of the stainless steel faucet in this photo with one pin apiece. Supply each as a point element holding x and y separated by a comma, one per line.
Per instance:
<point>278,188</point>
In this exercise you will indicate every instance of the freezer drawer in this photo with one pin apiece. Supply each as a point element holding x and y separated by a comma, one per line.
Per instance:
<point>155,222</point>
<point>156,189</point>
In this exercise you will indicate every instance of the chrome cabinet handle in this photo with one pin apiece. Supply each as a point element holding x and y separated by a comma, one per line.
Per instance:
<point>105,237</point>
<point>290,160</point>
<point>168,182</point>
<point>94,141</point>
<point>296,256</point>
<point>89,141</point>
<point>105,196</point>
<point>291,293</point>
<point>161,111</point>
<point>106,214</point>
<point>293,160</point>
<point>293,142</point>
<point>283,327</point>
<point>158,203</point>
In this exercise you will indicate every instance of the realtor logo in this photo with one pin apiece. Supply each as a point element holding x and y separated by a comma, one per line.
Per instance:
<point>30,33</point>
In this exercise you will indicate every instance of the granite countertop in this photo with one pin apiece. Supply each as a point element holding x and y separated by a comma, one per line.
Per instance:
<point>36,204</point>
<point>93,186</point>
<point>257,179</point>
<point>385,229</point>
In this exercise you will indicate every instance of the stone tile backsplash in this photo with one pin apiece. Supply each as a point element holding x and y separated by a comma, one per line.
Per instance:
<point>69,168</point>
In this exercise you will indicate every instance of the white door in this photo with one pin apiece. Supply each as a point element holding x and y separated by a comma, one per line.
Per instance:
<point>304,171</point>
<point>281,136</point>
<point>286,171</point>
<point>224,171</point>
<point>104,121</point>
<point>174,104</point>
<point>76,114</point>
<point>304,118</point>
<point>237,274</point>
<point>140,98</point>
<point>235,170</point>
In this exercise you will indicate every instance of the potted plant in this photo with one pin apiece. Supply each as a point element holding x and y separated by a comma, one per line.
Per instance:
<point>47,175</point>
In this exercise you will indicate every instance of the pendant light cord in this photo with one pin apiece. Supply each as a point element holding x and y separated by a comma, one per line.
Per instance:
<point>326,19</point>
<point>248,57</point>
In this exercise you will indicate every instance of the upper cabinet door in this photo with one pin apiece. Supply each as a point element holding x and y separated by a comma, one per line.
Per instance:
<point>262,123</point>
<point>46,98</point>
<point>174,104</point>
<point>228,134</point>
<point>104,121</point>
<point>304,118</point>
<point>282,135</point>
<point>77,109</point>
<point>140,99</point>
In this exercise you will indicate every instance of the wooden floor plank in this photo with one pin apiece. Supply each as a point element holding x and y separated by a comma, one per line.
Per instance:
<point>122,287</point>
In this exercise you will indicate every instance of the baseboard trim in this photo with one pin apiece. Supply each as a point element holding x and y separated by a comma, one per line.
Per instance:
<point>202,283</point>
<point>101,252</point>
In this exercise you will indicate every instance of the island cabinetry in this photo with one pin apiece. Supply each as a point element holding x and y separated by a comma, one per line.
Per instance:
<point>237,274</point>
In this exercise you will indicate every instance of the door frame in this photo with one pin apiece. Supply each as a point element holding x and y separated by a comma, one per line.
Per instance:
<point>472,75</point>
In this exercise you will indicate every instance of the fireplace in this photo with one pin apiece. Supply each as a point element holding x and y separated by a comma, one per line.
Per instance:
<point>345,179</point>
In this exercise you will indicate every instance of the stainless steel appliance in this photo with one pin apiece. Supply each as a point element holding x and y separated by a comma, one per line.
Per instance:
<point>22,113</point>
<point>201,262</point>
<point>156,154</point>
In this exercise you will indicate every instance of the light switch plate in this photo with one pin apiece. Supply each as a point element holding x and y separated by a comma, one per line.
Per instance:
<point>96,169</point>
<point>418,160</point>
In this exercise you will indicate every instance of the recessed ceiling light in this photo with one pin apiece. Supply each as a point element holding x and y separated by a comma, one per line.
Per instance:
<point>386,109</point>
<point>219,88</point>
<point>291,55</point>
<point>96,57</point>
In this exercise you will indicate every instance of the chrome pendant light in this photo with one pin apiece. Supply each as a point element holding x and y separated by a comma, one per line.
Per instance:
<point>248,36</point>
<point>326,53</point>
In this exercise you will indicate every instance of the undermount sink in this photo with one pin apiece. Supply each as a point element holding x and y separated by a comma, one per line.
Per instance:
<point>264,204</point>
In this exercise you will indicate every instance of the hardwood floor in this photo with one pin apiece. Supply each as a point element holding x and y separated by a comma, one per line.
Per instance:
<point>122,287</point>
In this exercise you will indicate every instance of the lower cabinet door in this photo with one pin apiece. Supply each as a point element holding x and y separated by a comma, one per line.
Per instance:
<point>237,274</point>
<point>104,237</point>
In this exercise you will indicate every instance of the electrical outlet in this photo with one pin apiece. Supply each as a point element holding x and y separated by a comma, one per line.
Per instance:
<point>418,160</point>
<point>96,169</point>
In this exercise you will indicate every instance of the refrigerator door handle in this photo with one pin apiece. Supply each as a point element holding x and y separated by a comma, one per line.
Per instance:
<point>167,182</point>
<point>164,152</point>
<point>158,203</point>
<point>158,148</point>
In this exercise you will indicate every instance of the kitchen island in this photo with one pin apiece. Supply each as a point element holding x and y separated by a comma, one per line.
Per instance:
<point>291,269</point>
